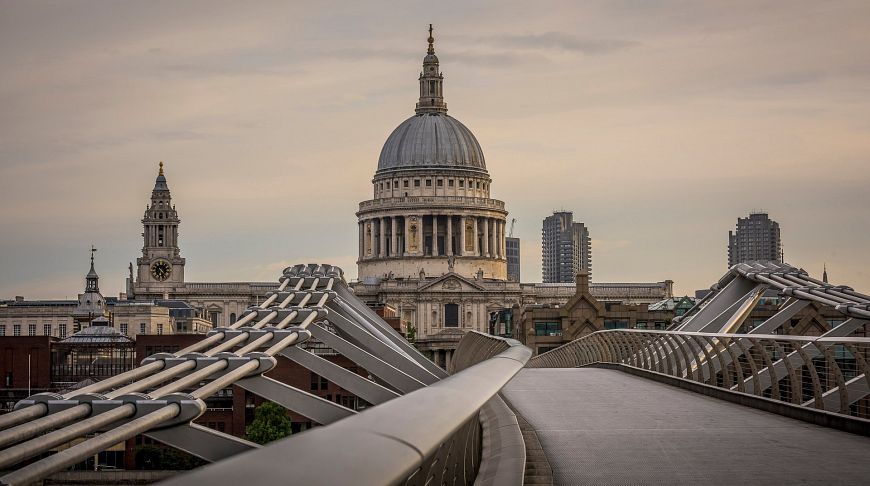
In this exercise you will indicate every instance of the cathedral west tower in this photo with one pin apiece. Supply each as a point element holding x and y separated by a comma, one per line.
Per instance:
<point>431,212</point>
<point>160,268</point>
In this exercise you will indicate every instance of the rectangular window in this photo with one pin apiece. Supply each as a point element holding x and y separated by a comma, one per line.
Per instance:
<point>450,183</point>
<point>124,328</point>
<point>159,329</point>
<point>548,328</point>
<point>46,329</point>
<point>406,182</point>
<point>61,330</point>
<point>16,329</point>
<point>315,379</point>
<point>440,182</point>
<point>428,182</point>
<point>615,324</point>
<point>388,184</point>
<point>2,329</point>
<point>142,328</point>
<point>461,183</point>
<point>640,325</point>
<point>416,182</point>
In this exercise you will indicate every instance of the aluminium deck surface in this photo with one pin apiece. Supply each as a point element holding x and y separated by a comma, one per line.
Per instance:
<point>600,426</point>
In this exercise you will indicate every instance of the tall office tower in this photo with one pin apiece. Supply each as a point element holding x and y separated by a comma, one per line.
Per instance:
<point>512,250</point>
<point>756,238</point>
<point>565,248</point>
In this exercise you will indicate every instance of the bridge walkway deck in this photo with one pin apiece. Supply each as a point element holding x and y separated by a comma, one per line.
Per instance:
<point>600,426</point>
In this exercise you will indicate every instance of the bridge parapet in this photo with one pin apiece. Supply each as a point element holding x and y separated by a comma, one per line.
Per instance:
<point>429,436</point>
<point>822,373</point>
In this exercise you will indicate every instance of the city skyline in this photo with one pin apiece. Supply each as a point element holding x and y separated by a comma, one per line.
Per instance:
<point>91,115</point>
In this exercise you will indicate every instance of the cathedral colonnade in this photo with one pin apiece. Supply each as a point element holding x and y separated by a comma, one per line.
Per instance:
<point>431,234</point>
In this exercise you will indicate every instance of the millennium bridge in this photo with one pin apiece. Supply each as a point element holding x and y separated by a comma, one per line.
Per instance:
<point>695,403</point>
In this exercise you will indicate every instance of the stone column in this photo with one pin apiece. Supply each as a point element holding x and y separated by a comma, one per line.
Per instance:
<point>497,227</point>
<point>485,250</point>
<point>461,235</point>
<point>420,246</point>
<point>394,243</point>
<point>374,239</point>
<point>366,239</point>
<point>476,247</point>
<point>434,235</point>
<point>407,234</point>
<point>448,239</point>
<point>504,239</point>
<point>382,232</point>
<point>362,243</point>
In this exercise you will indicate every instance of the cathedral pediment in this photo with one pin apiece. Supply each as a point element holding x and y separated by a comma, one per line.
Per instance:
<point>451,283</point>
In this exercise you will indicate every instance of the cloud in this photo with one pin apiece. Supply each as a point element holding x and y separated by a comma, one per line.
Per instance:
<point>558,41</point>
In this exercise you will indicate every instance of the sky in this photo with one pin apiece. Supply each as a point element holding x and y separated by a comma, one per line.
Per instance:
<point>658,123</point>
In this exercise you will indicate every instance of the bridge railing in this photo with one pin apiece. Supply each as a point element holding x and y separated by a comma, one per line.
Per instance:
<point>429,436</point>
<point>826,373</point>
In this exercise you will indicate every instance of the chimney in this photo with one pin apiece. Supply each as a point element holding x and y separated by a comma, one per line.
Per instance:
<point>583,282</point>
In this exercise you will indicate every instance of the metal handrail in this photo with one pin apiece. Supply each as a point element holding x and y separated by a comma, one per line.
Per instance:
<point>431,435</point>
<point>826,373</point>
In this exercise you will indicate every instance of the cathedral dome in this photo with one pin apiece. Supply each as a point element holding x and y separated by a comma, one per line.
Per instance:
<point>431,140</point>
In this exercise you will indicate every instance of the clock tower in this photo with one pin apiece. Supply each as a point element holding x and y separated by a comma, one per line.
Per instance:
<point>161,268</point>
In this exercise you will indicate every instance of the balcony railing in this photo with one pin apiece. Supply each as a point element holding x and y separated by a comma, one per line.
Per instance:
<point>432,202</point>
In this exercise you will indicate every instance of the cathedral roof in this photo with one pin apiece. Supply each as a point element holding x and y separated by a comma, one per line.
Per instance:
<point>431,138</point>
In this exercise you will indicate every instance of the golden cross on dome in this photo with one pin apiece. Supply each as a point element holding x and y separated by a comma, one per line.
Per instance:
<point>161,167</point>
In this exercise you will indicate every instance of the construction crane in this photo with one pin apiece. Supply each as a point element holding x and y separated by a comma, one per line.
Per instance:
<point>511,232</point>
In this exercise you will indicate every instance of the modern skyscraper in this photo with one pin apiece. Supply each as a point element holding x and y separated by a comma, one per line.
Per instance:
<point>565,248</point>
<point>512,247</point>
<point>756,239</point>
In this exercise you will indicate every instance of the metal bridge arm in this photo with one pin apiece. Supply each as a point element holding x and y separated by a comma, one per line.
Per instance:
<point>350,381</point>
<point>374,365</point>
<point>202,442</point>
<point>317,409</point>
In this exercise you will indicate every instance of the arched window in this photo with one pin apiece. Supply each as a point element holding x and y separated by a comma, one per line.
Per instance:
<point>232,317</point>
<point>451,315</point>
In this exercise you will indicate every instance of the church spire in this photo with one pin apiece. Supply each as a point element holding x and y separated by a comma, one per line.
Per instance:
<point>431,82</point>
<point>160,183</point>
<point>92,280</point>
<point>825,272</point>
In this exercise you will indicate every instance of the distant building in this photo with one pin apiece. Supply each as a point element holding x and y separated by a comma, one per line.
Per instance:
<point>565,248</point>
<point>543,327</point>
<point>512,247</point>
<point>677,305</point>
<point>756,239</point>
<point>63,318</point>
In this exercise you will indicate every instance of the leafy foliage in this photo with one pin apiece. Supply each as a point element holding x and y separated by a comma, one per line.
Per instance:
<point>270,424</point>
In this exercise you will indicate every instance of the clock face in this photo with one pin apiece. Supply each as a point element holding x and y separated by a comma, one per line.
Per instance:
<point>161,270</point>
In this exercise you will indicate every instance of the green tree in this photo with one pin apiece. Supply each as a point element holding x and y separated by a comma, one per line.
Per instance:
<point>270,423</point>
